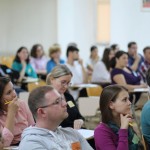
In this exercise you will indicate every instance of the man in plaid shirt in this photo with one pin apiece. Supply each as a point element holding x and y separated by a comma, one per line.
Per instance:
<point>146,64</point>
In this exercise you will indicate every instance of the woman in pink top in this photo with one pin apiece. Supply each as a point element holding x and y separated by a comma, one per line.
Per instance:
<point>115,132</point>
<point>15,115</point>
<point>39,60</point>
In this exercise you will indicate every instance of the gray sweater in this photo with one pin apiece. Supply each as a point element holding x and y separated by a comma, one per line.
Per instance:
<point>34,138</point>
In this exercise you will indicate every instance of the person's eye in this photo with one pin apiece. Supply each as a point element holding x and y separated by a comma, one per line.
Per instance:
<point>57,102</point>
<point>124,100</point>
<point>8,92</point>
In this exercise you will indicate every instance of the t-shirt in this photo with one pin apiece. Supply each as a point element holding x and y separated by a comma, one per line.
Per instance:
<point>100,73</point>
<point>131,78</point>
<point>76,70</point>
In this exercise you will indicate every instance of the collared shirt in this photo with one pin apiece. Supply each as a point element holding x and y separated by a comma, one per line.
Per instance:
<point>23,119</point>
<point>131,61</point>
<point>143,69</point>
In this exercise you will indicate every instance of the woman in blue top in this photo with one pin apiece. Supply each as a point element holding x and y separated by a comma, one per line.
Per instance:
<point>22,65</point>
<point>54,53</point>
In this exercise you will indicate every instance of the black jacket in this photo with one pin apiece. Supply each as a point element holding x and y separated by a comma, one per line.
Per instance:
<point>73,112</point>
<point>14,75</point>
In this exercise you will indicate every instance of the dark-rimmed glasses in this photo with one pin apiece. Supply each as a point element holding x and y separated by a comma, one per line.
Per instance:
<point>57,102</point>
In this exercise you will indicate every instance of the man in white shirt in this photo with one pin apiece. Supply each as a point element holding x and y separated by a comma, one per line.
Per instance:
<point>75,64</point>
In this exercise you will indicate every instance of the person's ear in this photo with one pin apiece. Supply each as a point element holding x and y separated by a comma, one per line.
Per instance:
<point>52,80</point>
<point>111,105</point>
<point>41,112</point>
<point>116,60</point>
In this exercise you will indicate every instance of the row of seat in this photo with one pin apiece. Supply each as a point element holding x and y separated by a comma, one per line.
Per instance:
<point>6,60</point>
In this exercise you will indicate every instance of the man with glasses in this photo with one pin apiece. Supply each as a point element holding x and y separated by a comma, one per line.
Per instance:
<point>49,109</point>
<point>134,59</point>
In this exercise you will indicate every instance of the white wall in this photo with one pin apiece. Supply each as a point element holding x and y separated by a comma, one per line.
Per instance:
<point>76,23</point>
<point>26,22</point>
<point>129,23</point>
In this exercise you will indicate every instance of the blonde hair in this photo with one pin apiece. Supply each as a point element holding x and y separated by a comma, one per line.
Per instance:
<point>53,49</point>
<point>58,71</point>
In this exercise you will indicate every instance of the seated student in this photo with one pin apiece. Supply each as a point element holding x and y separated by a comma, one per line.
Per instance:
<point>101,72</point>
<point>115,132</point>
<point>54,54</point>
<point>115,48</point>
<point>15,116</point>
<point>94,58</point>
<point>145,115</point>
<point>123,75</point>
<point>22,65</point>
<point>49,109</point>
<point>39,60</point>
<point>145,65</point>
<point>135,59</point>
<point>60,78</point>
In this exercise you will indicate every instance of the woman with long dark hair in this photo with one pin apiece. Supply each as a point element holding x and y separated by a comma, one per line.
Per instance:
<point>15,115</point>
<point>101,72</point>
<point>115,131</point>
<point>22,65</point>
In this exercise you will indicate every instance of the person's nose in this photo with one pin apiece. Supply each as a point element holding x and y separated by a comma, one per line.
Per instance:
<point>14,93</point>
<point>129,103</point>
<point>64,103</point>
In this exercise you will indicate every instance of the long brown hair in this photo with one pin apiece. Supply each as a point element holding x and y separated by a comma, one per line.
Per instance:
<point>3,82</point>
<point>109,93</point>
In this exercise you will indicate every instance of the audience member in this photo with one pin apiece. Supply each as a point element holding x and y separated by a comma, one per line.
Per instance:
<point>115,48</point>
<point>94,58</point>
<point>49,109</point>
<point>123,75</point>
<point>145,119</point>
<point>102,68</point>
<point>54,54</point>
<point>75,64</point>
<point>39,60</point>
<point>22,65</point>
<point>60,78</point>
<point>15,116</point>
<point>115,132</point>
<point>145,65</point>
<point>135,59</point>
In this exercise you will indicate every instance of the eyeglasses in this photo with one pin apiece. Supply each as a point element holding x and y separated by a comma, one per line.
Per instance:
<point>57,102</point>
<point>64,83</point>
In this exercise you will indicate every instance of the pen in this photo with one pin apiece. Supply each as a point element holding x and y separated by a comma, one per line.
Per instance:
<point>7,102</point>
<point>131,124</point>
